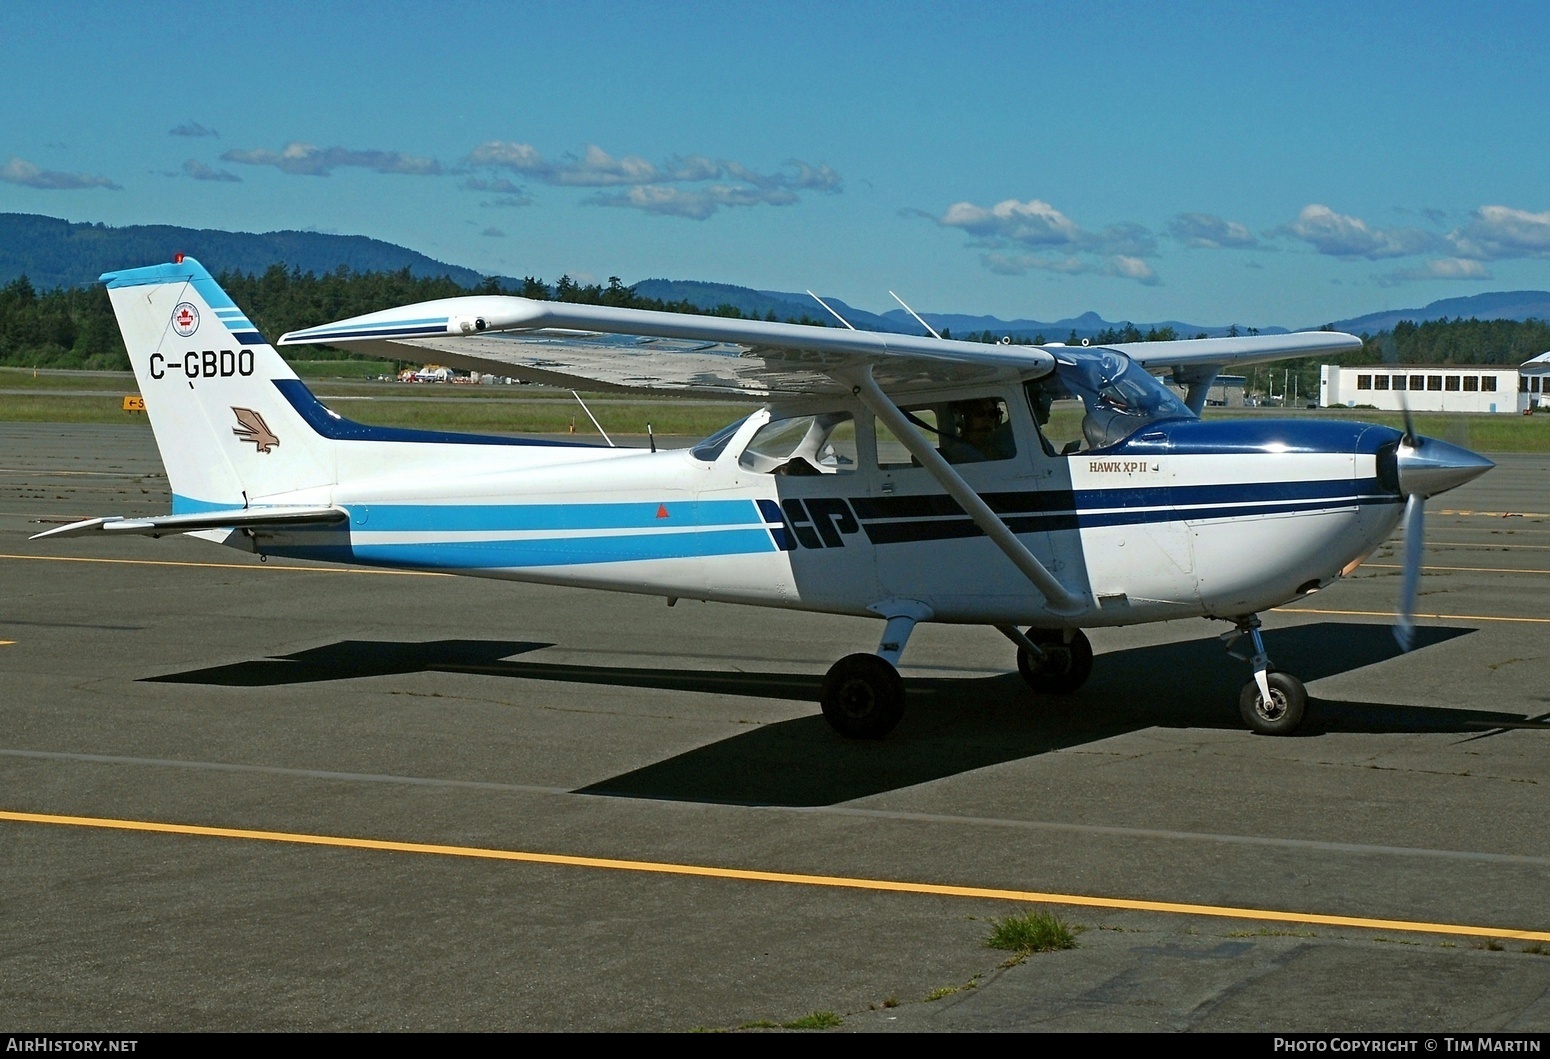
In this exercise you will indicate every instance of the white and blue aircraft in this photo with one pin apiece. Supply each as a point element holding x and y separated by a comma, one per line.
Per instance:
<point>1037,490</point>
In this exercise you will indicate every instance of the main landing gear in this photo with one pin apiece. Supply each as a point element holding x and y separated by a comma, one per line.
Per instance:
<point>1052,661</point>
<point>863,695</point>
<point>1273,703</point>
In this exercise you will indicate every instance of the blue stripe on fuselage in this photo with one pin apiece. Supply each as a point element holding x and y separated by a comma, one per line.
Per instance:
<point>548,551</point>
<point>473,518</point>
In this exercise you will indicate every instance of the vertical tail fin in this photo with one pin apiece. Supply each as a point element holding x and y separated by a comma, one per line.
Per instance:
<point>226,431</point>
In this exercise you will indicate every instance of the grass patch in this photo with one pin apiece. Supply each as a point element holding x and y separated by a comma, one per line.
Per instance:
<point>1036,930</point>
<point>817,1020</point>
<point>1271,932</point>
<point>951,990</point>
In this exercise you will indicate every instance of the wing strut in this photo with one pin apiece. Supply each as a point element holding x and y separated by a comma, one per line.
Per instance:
<point>865,387</point>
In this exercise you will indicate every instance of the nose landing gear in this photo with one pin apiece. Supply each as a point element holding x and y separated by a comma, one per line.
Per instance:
<point>1273,703</point>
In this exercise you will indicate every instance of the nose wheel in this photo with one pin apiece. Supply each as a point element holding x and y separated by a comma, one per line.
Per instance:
<point>1278,714</point>
<point>1273,703</point>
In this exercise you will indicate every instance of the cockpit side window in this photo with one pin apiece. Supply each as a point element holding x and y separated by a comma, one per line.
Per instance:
<point>710,448</point>
<point>977,430</point>
<point>803,446</point>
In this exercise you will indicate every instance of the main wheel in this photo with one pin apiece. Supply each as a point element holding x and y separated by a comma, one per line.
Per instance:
<point>1283,713</point>
<point>1064,667</point>
<point>863,697</point>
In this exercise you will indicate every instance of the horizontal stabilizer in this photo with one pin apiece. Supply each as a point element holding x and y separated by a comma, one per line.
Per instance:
<point>232,519</point>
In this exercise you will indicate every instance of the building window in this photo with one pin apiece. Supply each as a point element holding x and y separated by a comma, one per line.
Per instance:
<point>1434,382</point>
<point>1399,382</point>
<point>1472,384</point>
<point>1380,382</point>
<point>1488,383</point>
<point>1417,382</point>
<point>1523,384</point>
<point>1451,382</point>
<point>1364,382</point>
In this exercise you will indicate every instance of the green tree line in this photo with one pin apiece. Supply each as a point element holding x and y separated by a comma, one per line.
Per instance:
<point>73,327</point>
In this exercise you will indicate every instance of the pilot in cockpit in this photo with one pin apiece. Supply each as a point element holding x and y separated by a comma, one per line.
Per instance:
<point>983,432</point>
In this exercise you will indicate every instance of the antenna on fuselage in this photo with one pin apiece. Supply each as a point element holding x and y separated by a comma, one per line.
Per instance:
<point>916,315</point>
<point>592,417</point>
<point>832,313</point>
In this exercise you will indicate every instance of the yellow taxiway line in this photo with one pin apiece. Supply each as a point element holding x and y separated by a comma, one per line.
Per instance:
<point>787,878</point>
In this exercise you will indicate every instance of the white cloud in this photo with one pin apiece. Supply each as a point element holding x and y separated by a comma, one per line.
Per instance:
<point>20,171</point>
<point>1340,235</point>
<point>304,159</point>
<point>1032,223</point>
<point>694,203</point>
<point>200,171</point>
<point>1453,268</point>
<point>1211,232</point>
<point>1039,225</point>
<point>1497,232</point>
<point>1118,266</point>
<point>1060,244</point>
<point>1132,268</point>
<point>654,188</point>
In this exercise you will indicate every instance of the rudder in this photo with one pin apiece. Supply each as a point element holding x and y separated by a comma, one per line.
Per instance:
<point>228,435</point>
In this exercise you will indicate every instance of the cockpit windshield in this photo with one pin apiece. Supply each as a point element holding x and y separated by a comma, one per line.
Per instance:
<point>1118,396</point>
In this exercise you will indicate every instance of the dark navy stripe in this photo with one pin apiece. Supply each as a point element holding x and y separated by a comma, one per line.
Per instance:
<point>958,528</point>
<point>337,428</point>
<point>1167,496</point>
<point>249,338</point>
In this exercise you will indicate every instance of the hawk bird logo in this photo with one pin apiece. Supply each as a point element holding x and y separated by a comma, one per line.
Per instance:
<point>251,427</point>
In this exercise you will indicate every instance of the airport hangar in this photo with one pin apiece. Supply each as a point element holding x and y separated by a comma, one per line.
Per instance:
<point>1431,387</point>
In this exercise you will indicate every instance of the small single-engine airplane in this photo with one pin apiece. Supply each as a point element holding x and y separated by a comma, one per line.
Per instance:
<point>1038,490</point>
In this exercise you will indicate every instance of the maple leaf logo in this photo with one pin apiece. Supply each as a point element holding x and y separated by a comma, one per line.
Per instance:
<point>251,427</point>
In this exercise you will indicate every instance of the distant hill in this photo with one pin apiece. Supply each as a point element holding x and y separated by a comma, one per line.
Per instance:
<point>1501,305</point>
<point>56,253</point>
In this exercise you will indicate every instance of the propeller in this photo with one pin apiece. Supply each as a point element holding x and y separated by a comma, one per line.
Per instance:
<point>1425,468</point>
<point>1415,523</point>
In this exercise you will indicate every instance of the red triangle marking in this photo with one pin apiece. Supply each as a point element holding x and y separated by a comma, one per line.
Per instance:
<point>662,511</point>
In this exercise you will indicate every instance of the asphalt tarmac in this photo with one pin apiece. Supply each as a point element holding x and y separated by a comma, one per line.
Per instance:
<point>284,796</point>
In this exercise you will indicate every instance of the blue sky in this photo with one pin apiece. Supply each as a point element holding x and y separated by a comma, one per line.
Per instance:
<point>1267,164</point>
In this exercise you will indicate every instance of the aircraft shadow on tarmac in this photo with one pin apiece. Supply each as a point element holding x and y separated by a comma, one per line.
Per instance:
<point>953,724</point>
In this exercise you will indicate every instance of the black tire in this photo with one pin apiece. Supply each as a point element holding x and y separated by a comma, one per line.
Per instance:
<point>862,697</point>
<point>1282,715</point>
<point>1065,666</point>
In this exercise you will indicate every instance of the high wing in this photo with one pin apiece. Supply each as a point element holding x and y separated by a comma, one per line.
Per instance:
<point>1539,365</point>
<point>602,347</point>
<point>610,348</point>
<point>1193,353</point>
